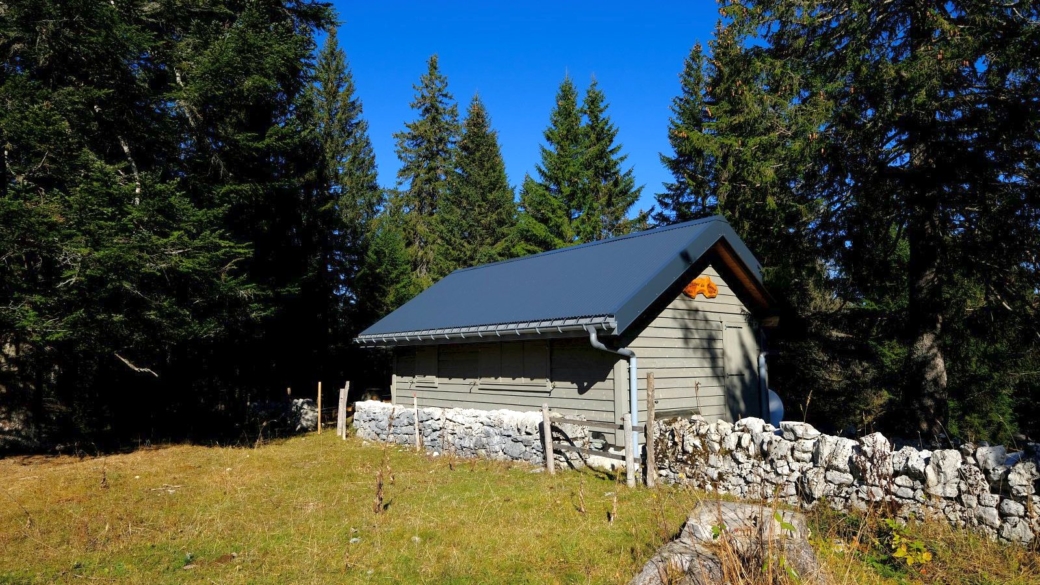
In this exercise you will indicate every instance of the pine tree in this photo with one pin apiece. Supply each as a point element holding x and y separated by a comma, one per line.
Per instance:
<point>153,188</point>
<point>349,188</point>
<point>552,203</point>
<point>385,277</point>
<point>608,193</point>
<point>689,196</point>
<point>427,152</point>
<point>894,152</point>
<point>478,210</point>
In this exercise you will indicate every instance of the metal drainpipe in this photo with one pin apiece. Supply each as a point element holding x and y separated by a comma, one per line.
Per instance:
<point>633,379</point>
<point>763,382</point>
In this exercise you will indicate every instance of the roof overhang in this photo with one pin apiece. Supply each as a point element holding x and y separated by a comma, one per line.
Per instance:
<point>719,240</point>
<point>549,328</point>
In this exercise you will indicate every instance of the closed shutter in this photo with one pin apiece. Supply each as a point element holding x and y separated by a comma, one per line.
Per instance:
<point>426,366</point>
<point>518,366</point>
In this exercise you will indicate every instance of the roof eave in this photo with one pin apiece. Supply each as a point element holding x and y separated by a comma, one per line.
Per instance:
<point>738,254</point>
<point>497,332</point>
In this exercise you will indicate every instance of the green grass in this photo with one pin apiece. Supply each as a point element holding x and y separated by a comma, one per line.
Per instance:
<point>287,511</point>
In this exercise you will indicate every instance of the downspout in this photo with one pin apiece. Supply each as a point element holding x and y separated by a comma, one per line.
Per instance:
<point>763,389</point>
<point>633,379</point>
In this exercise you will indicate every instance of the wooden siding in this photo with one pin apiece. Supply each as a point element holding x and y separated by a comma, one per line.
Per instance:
<point>683,345</point>
<point>581,379</point>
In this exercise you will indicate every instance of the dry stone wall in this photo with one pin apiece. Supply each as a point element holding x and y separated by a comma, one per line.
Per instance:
<point>980,487</point>
<point>493,434</point>
<point>973,486</point>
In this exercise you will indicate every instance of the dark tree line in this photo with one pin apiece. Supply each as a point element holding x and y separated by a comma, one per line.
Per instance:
<point>882,158</point>
<point>191,218</point>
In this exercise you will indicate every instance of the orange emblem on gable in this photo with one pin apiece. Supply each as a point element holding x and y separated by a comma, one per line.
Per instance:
<point>702,285</point>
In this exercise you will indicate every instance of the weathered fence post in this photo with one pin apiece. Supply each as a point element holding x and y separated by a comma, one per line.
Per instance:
<point>415,412</point>
<point>650,465</point>
<point>630,449</point>
<point>341,414</point>
<point>547,441</point>
<point>319,408</point>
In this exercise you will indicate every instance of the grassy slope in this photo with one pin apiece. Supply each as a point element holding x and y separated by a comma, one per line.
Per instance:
<point>286,512</point>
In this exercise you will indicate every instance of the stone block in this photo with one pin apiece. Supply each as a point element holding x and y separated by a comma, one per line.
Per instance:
<point>839,478</point>
<point>1009,507</point>
<point>1016,530</point>
<point>987,516</point>
<point>990,457</point>
<point>798,430</point>
<point>989,500</point>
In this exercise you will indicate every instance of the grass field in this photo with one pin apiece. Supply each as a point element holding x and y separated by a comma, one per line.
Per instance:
<point>301,511</point>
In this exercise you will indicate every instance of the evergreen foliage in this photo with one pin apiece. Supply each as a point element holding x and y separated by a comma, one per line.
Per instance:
<point>609,191</point>
<point>347,175</point>
<point>153,190</point>
<point>581,194</point>
<point>552,204</point>
<point>427,152</point>
<point>884,162</point>
<point>386,275</point>
<point>478,210</point>
<point>691,163</point>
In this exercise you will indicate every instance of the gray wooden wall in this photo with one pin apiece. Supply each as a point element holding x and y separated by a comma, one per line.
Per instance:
<point>684,345</point>
<point>577,380</point>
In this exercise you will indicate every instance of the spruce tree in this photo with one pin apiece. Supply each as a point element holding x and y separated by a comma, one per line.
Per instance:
<point>553,202</point>
<point>427,152</point>
<point>156,179</point>
<point>608,192</point>
<point>349,189</point>
<point>689,195</point>
<point>895,151</point>
<point>581,194</point>
<point>478,210</point>
<point>385,277</point>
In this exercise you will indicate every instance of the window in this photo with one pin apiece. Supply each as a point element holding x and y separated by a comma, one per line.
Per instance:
<point>519,365</point>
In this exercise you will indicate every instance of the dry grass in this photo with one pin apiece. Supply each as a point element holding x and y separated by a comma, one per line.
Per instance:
<point>301,511</point>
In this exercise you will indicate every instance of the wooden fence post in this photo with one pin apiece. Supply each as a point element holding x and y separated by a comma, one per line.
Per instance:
<point>341,415</point>
<point>630,455</point>
<point>650,465</point>
<point>550,462</point>
<point>319,408</point>
<point>415,412</point>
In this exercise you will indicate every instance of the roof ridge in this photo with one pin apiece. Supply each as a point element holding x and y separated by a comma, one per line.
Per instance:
<point>641,233</point>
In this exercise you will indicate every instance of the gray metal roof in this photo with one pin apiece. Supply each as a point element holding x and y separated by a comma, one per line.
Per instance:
<point>607,284</point>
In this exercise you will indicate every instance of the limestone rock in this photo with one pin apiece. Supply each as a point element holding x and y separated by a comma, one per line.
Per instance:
<point>834,453</point>
<point>797,430</point>
<point>1010,507</point>
<point>988,516</point>
<point>990,457</point>
<point>1016,530</point>
<point>693,558</point>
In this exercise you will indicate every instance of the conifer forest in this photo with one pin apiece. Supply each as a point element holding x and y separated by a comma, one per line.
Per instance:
<point>192,217</point>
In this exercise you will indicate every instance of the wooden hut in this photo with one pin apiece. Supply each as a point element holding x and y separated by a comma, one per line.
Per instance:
<point>578,327</point>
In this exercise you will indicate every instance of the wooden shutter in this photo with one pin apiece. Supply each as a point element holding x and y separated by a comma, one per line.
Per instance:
<point>536,361</point>
<point>426,366</point>
<point>489,361</point>
<point>518,366</point>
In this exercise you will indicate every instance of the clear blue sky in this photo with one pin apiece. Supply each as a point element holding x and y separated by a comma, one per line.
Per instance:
<point>515,54</point>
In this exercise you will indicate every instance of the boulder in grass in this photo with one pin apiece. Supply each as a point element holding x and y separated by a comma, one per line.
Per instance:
<point>718,533</point>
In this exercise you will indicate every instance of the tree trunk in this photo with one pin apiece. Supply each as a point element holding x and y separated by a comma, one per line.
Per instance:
<point>927,366</point>
<point>926,372</point>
